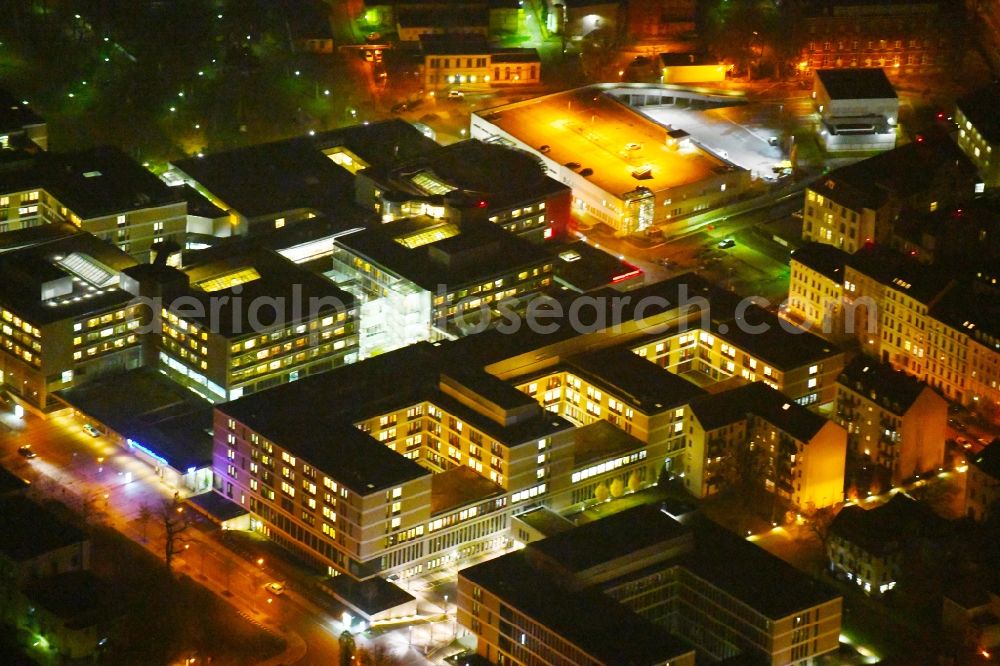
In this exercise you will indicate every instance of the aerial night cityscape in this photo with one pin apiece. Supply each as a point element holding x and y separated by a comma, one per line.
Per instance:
<point>499,332</point>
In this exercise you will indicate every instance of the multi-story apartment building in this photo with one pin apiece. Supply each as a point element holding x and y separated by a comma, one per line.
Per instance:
<point>868,547</point>
<point>858,204</point>
<point>469,62</point>
<point>927,323</point>
<point>101,191</point>
<point>238,322</point>
<point>63,314</point>
<point>906,37</point>
<point>816,290</point>
<point>967,236</point>
<point>20,126</point>
<point>893,420</point>
<point>267,186</point>
<point>982,485</point>
<point>979,131</point>
<point>688,578</point>
<point>805,453</point>
<point>858,109</point>
<point>459,182</point>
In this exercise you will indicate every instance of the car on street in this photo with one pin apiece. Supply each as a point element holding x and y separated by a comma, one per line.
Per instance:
<point>455,94</point>
<point>25,451</point>
<point>726,244</point>
<point>632,146</point>
<point>963,442</point>
<point>399,107</point>
<point>275,588</point>
<point>91,430</point>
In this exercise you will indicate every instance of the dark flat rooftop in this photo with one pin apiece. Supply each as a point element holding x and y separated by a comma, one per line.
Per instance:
<point>147,407</point>
<point>895,390</point>
<point>719,409</point>
<point>749,573</point>
<point>904,170</point>
<point>593,269</point>
<point>484,251</point>
<point>96,182</point>
<point>279,279</point>
<point>823,258</point>
<point>918,281</point>
<point>28,529</point>
<point>619,370</point>
<point>472,167</point>
<point>856,83</point>
<point>78,598</point>
<point>972,311</point>
<point>288,415</point>
<point>614,537</point>
<point>217,506</point>
<point>460,486</point>
<point>595,623</point>
<point>545,520</point>
<point>601,440</point>
<point>24,270</point>
<point>777,346</point>
<point>370,596</point>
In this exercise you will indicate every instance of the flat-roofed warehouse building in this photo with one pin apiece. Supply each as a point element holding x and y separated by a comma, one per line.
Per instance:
<point>624,169</point>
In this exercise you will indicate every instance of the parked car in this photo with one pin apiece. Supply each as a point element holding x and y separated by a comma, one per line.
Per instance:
<point>399,107</point>
<point>726,244</point>
<point>26,451</point>
<point>91,430</point>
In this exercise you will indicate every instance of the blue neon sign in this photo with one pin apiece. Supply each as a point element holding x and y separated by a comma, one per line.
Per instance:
<point>132,444</point>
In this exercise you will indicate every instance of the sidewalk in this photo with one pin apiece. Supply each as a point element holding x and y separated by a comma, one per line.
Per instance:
<point>65,488</point>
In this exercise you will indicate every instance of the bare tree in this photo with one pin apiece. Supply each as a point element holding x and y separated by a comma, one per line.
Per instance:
<point>818,522</point>
<point>145,517</point>
<point>742,473</point>
<point>175,521</point>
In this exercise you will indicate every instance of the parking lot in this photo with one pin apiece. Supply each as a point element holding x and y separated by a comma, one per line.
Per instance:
<point>741,134</point>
